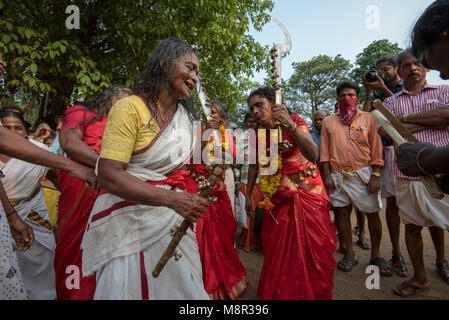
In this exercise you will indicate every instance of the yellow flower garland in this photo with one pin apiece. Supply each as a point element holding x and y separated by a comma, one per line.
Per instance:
<point>210,145</point>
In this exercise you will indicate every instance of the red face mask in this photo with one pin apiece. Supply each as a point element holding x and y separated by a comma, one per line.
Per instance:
<point>347,108</point>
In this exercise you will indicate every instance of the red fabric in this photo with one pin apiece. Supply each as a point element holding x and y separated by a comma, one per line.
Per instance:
<point>143,278</point>
<point>176,180</point>
<point>82,119</point>
<point>299,249</point>
<point>75,204</point>
<point>347,108</point>
<point>248,239</point>
<point>298,237</point>
<point>224,275</point>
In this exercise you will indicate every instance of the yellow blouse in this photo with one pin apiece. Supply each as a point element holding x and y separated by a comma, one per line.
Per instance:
<point>130,128</point>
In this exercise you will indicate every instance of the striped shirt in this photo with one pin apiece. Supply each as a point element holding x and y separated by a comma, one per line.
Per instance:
<point>428,99</point>
<point>243,147</point>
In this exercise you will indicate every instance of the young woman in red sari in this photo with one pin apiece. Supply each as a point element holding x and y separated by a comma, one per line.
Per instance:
<point>80,137</point>
<point>298,236</point>
<point>224,275</point>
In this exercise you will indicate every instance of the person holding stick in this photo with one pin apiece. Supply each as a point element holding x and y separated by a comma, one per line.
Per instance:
<point>422,109</point>
<point>430,43</point>
<point>298,236</point>
<point>147,142</point>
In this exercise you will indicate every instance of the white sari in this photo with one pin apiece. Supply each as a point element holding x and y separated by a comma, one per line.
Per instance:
<point>22,180</point>
<point>124,241</point>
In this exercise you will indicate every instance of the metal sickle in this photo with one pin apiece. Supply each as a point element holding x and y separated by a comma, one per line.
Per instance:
<point>288,43</point>
<point>276,57</point>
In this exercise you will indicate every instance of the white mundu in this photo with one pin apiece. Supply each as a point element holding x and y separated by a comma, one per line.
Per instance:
<point>351,187</point>
<point>418,207</point>
<point>22,185</point>
<point>124,241</point>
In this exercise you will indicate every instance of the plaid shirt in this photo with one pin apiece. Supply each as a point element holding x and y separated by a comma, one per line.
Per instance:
<point>428,99</point>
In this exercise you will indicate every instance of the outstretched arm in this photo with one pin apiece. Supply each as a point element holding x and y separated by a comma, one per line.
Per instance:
<point>18,147</point>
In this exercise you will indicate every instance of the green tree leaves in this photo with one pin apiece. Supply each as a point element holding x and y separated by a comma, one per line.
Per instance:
<point>312,84</point>
<point>115,40</point>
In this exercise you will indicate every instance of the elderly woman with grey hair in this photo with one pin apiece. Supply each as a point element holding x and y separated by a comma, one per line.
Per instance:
<point>219,118</point>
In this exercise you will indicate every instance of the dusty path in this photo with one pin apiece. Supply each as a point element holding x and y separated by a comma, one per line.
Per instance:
<point>351,286</point>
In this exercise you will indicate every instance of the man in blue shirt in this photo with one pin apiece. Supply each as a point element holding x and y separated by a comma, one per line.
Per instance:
<point>317,120</point>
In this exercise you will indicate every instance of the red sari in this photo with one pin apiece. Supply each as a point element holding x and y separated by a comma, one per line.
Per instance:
<point>75,204</point>
<point>298,236</point>
<point>224,275</point>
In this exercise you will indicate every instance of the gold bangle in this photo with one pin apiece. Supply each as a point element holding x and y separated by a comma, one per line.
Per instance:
<point>417,162</point>
<point>376,174</point>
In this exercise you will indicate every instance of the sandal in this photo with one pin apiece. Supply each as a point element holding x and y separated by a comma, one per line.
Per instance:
<point>397,263</point>
<point>443,271</point>
<point>384,268</point>
<point>406,289</point>
<point>347,263</point>
<point>364,244</point>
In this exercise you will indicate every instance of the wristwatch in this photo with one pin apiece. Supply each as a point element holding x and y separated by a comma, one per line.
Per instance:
<point>376,174</point>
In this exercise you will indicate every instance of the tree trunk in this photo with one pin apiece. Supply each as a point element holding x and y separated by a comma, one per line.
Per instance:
<point>55,104</point>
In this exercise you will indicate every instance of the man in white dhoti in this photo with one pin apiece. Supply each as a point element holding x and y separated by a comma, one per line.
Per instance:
<point>147,141</point>
<point>351,155</point>
<point>423,109</point>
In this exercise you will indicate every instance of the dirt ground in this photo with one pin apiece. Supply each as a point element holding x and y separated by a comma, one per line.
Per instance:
<point>351,285</point>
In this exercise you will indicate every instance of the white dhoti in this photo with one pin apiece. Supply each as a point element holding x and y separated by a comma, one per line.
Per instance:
<point>124,241</point>
<point>36,264</point>
<point>418,207</point>
<point>129,277</point>
<point>386,175</point>
<point>22,183</point>
<point>351,188</point>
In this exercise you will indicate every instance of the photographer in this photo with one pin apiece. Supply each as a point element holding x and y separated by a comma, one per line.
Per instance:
<point>385,82</point>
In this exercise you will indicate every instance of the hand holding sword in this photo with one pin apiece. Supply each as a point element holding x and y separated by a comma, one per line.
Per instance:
<point>280,113</point>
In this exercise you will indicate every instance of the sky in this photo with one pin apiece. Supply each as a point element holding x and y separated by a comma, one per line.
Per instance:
<point>345,27</point>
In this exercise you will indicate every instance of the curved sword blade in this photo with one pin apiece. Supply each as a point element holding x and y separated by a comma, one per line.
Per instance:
<point>288,43</point>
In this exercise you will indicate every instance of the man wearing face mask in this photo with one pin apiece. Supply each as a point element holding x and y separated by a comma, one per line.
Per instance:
<point>423,109</point>
<point>351,155</point>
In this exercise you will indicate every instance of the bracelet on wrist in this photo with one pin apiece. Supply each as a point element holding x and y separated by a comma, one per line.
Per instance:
<point>11,213</point>
<point>417,162</point>
<point>375,174</point>
<point>295,127</point>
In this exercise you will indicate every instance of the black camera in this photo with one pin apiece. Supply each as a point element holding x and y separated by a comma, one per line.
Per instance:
<point>371,75</point>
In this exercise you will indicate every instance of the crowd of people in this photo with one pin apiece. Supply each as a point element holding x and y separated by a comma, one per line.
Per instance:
<point>125,180</point>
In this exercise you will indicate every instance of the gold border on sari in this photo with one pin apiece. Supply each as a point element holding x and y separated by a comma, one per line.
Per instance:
<point>234,293</point>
